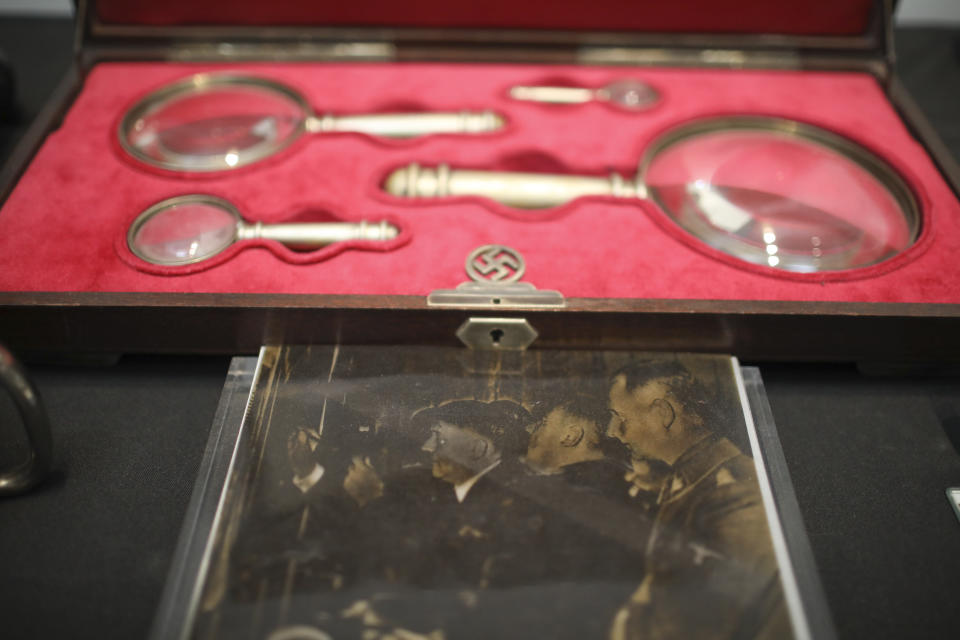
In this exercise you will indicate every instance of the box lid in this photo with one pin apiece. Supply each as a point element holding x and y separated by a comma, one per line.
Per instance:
<point>810,17</point>
<point>443,28</point>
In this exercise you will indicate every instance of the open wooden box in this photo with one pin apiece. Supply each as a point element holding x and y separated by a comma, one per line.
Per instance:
<point>629,278</point>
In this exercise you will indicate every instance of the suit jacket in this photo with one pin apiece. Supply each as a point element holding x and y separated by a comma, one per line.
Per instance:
<point>711,569</point>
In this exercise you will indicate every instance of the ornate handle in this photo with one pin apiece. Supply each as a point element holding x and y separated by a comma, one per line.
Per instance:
<point>410,125</point>
<point>521,190</point>
<point>24,394</point>
<point>318,234</point>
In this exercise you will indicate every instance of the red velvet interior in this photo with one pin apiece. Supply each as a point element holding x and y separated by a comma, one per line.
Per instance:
<point>59,227</point>
<point>824,17</point>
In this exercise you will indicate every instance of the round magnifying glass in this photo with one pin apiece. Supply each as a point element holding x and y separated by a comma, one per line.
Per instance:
<point>765,190</point>
<point>217,122</point>
<point>782,194</point>
<point>193,228</point>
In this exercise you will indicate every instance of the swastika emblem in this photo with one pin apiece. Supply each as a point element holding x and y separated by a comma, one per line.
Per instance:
<point>495,263</point>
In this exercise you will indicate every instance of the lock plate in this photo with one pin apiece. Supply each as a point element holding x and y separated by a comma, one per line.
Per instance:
<point>497,334</point>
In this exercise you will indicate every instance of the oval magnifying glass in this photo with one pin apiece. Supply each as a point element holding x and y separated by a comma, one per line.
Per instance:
<point>193,228</point>
<point>217,122</point>
<point>628,93</point>
<point>765,190</point>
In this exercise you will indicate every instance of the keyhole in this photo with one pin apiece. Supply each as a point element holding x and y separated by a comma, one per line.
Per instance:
<point>495,335</point>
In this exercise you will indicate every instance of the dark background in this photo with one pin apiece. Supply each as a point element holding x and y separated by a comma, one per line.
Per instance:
<point>870,450</point>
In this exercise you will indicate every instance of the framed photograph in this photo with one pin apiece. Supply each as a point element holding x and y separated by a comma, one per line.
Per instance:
<point>429,493</point>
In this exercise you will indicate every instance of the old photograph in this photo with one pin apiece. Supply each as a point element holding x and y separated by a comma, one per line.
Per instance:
<point>438,494</point>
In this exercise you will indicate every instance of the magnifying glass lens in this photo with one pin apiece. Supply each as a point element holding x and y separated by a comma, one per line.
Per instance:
<point>781,200</point>
<point>215,127</point>
<point>184,233</point>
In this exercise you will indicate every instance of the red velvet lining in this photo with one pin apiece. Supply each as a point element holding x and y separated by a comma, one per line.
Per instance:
<point>836,17</point>
<point>59,226</point>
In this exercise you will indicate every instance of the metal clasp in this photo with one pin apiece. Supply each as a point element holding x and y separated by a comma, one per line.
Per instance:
<point>495,271</point>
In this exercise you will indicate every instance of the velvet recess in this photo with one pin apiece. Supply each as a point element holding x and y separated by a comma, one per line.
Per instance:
<point>62,228</point>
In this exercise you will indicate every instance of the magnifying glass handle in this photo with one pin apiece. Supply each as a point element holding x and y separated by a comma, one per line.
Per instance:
<point>410,125</point>
<point>521,190</point>
<point>35,422</point>
<point>553,95</point>
<point>318,234</point>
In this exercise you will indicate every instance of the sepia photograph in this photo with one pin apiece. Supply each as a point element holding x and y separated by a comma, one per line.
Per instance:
<point>437,494</point>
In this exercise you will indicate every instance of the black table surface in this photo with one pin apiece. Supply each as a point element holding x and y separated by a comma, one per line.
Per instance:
<point>870,451</point>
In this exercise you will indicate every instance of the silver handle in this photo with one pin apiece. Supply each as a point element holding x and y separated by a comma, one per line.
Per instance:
<point>410,125</point>
<point>553,95</point>
<point>318,234</point>
<point>30,472</point>
<point>521,190</point>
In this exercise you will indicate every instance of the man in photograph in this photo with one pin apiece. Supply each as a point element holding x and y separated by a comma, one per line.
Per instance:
<point>571,441</point>
<point>710,570</point>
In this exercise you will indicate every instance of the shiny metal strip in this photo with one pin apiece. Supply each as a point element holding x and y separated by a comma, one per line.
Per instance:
<point>725,58</point>
<point>245,51</point>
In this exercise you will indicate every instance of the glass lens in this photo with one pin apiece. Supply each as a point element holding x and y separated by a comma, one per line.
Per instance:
<point>184,233</point>
<point>631,94</point>
<point>774,198</point>
<point>213,126</point>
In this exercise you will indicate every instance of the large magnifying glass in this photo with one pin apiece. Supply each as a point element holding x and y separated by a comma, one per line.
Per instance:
<point>193,228</point>
<point>765,190</point>
<point>217,122</point>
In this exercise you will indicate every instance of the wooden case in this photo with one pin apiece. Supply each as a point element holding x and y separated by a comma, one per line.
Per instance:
<point>787,325</point>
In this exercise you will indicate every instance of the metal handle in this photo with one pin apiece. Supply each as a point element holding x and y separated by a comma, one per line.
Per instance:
<point>30,472</point>
<point>553,95</point>
<point>521,190</point>
<point>318,234</point>
<point>410,125</point>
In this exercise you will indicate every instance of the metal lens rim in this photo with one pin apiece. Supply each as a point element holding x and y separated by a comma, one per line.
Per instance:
<point>170,203</point>
<point>199,83</point>
<point>879,169</point>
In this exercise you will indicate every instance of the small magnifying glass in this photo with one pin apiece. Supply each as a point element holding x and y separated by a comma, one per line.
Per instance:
<point>630,94</point>
<point>216,122</point>
<point>189,229</point>
<point>768,191</point>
